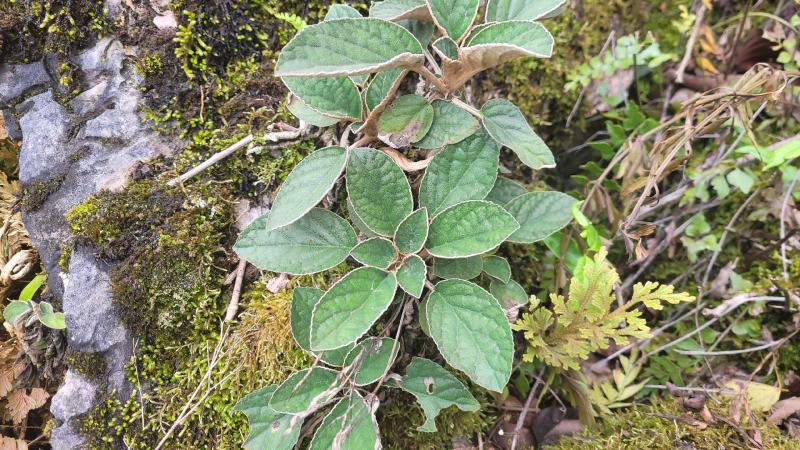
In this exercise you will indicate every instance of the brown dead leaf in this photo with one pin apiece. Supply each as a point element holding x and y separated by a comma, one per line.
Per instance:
<point>784,409</point>
<point>10,443</point>
<point>3,131</point>
<point>20,403</point>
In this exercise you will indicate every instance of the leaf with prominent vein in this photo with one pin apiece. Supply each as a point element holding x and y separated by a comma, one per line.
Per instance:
<point>412,232</point>
<point>454,17</point>
<point>469,228</point>
<point>350,307</point>
<point>381,86</point>
<point>504,10</point>
<point>269,429</point>
<point>305,391</point>
<point>306,185</point>
<point>451,125</point>
<point>435,389</point>
<point>446,48</point>
<point>378,190</point>
<point>348,47</point>
<point>502,42</point>
<point>332,96</point>
<point>303,301</point>
<point>372,358</point>
<point>510,294</point>
<point>471,331</point>
<point>350,425</point>
<point>506,124</point>
<point>504,191</point>
<point>463,171</point>
<point>411,275</point>
<point>540,214</point>
<point>400,9</point>
<point>342,12</point>
<point>376,252</point>
<point>308,114</point>
<point>405,121</point>
<point>316,242</point>
<point>459,268</point>
<point>497,268</point>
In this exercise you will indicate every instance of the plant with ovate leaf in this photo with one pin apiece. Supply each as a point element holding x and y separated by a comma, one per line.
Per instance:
<point>426,229</point>
<point>26,312</point>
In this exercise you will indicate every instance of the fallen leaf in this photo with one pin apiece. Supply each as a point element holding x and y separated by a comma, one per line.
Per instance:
<point>10,443</point>
<point>760,397</point>
<point>784,409</point>
<point>165,21</point>
<point>278,283</point>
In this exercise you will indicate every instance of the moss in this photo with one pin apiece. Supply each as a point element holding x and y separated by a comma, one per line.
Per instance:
<point>642,427</point>
<point>119,222</point>
<point>90,365</point>
<point>64,258</point>
<point>29,29</point>
<point>104,425</point>
<point>35,194</point>
<point>400,415</point>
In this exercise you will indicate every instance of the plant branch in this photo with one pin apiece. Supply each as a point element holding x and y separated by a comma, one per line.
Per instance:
<point>431,78</point>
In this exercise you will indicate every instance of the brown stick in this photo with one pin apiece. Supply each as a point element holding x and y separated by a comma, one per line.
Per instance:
<point>233,306</point>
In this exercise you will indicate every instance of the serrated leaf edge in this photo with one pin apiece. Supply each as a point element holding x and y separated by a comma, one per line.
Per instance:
<point>497,302</point>
<point>472,201</point>
<point>314,311</point>
<point>405,59</point>
<point>427,230</point>
<point>527,52</point>
<point>441,28</point>
<point>544,14</point>
<point>280,189</point>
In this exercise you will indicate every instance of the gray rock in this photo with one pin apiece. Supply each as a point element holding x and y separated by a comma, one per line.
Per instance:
<point>89,146</point>
<point>18,79</point>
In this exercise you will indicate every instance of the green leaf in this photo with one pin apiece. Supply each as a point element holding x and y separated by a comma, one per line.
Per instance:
<point>53,320</point>
<point>540,214</point>
<point>460,172</point>
<point>412,274</point>
<point>305,391</point>
<point>342,12</point>
<point>372,357</point>
<point>269,429</point>
<point>469,228</point>
<point>378,190</point>
<point>316,242</point>
<point>435,389</point>
<point>307,114</point>
<point>501,42</point>
<point>382,85</point>
<point>399,10</point>
<point>306,185</point>
<point>15,309</point>
<point>376,252</point>
<point>349,426</point>
<point>332,96</point>
<point>421,29</point>
<point>504,10</point>
<point>336,356</point>
<point>509,294</point>
<point>446,48</point>
<point>454,17</point>
<point>412,232</point>
<point>460,268</point>
<point>405,121</point>
<point>506,124</point>
<point>348,47</point>
<point>504,191</point>
<point>303,301</point>
<point>30,289</point>
<point>360,225</point>
<point>472,332</point>
<point>497,268</point>
<point>741,180</point>
<point>350,307</point>
<point>451,125</point>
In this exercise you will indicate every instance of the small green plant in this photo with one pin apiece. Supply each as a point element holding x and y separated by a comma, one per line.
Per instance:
<point>28,312</point>
<point>585,322</point>
<point>429,241</point>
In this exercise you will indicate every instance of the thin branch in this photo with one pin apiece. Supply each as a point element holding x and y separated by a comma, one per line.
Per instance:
<point>215,158</point>
<point>233,306</point>
<point>524,412</point>
<point>701,12</point>
<point>431,78</point>
<point>466,107</point>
